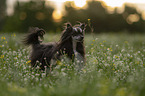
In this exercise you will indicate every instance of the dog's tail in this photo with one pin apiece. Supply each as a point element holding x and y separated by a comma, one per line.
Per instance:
<point>34,36</point>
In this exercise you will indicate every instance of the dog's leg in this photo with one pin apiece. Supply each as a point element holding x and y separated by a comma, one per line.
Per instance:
<point>79,60</point>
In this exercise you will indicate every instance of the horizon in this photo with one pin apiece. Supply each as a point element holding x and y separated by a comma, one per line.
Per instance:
<point>110,5</point>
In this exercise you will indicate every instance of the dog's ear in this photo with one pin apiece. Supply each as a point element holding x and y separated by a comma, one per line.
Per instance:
<point>69,26</point>
<point>83,26</point>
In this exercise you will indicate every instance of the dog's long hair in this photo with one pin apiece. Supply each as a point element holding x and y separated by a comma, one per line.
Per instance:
<point>70,44</point>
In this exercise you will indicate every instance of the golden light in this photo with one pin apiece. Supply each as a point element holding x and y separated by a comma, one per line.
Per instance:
<point>114,3</point>
<point>80,3</point>
<point>59,8</point>
<point>132,18</point>
<point>143,15</point>
<point>109,4</point>
<point>57,15</point>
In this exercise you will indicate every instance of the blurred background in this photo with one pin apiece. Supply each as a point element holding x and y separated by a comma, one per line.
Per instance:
<point>100,15</point>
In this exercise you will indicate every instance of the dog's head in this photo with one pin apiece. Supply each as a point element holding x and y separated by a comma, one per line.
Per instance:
<point>78,32</point>
<point>75,32</point>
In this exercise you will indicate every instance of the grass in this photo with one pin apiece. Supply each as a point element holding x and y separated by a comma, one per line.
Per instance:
<point>115,67</point>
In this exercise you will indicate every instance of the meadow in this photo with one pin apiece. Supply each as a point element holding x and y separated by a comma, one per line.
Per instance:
<point>115,66</point>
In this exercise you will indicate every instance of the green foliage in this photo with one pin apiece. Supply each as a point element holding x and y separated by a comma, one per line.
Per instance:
<point>37,14</point>
<point>115,66</point>
<point>102,21</point>
<point>31,14</point>
<point>2,13</point>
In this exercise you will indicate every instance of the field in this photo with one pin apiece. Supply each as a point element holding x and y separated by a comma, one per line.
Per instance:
<point>115,66</point>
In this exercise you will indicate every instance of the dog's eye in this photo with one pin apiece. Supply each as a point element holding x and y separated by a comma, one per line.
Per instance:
<point>74,33</point>
<point>80,32</point>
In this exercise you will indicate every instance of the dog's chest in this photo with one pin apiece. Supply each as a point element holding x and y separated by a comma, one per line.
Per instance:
<point>78,59</point>
<point>78,56</point>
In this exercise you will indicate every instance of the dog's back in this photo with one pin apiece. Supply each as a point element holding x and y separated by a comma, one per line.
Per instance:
<point>38,48</point>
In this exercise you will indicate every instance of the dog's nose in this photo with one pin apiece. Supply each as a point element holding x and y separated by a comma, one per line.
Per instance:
<point>82,37</point>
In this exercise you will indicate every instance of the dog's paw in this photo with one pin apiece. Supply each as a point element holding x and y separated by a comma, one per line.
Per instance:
<point>40,32</point>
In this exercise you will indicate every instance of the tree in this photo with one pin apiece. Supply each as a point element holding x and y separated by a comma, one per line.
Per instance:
<point>30,14</point>
<point>2,13</point>
<point>101,20</point>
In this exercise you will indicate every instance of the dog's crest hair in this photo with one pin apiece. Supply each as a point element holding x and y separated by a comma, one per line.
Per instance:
<point>44,53</point>
<point>32,37</point>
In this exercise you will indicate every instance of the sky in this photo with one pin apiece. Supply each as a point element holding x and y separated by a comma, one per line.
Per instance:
<point>110,4</point>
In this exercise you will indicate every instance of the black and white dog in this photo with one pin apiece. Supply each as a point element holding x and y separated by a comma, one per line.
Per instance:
<point>70,44</point>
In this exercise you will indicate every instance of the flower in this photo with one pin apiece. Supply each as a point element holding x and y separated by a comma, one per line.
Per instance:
<point>126,42</point>
<point>28,61</point>
<point>109,49</point>
<point>13,35</point>
<point>113,69</point>
<point>89,19</point>
<point>6,42</point>
<point>104,41</point>
<point>3,38</point>
<point>116,57</point>
<point>2,56</point>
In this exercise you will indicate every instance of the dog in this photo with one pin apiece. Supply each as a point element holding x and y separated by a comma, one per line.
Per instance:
<point>71,44</point>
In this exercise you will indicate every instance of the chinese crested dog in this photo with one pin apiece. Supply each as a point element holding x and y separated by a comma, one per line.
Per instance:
<point>71,44</point>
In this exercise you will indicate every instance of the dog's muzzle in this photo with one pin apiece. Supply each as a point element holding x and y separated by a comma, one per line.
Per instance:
<point>78,38</point>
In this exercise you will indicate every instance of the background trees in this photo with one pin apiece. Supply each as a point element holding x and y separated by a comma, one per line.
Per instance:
<point>2,13</point>
<point>32,13</point>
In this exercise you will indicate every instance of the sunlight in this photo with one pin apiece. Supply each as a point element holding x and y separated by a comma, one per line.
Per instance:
<point>59,8</point>
<point>143,15</point>
<point>109,4</point>
<point>57,15</point>
<point>80,3</point>
<point>132,18</point>
<point>119,3</point>
<point>114,3</point>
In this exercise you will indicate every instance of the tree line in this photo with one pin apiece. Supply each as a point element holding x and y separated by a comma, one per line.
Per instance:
<point>32,13</point>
